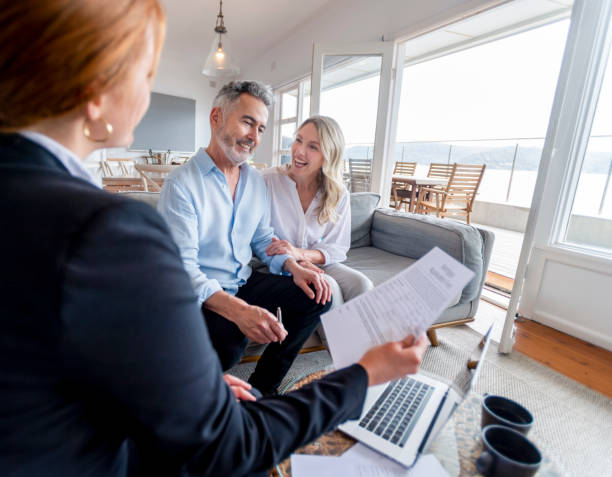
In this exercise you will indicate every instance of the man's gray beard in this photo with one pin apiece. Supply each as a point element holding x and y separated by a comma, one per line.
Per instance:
<point>228,149</point>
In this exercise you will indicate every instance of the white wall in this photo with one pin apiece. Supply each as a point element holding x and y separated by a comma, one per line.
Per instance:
<point>178,78</point>
<point>350,21</point>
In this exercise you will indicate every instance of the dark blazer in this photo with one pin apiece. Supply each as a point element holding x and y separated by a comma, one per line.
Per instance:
<point>106,367</point>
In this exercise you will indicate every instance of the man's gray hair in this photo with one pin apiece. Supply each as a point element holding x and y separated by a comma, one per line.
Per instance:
<point>230,93</point>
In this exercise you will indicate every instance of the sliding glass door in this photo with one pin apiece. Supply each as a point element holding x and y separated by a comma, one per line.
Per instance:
<point>566,260</point>
<point>352,85</point>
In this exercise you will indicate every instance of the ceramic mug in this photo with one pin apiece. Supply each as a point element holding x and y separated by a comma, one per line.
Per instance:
<point>506,412</point>
<point>507,453</point>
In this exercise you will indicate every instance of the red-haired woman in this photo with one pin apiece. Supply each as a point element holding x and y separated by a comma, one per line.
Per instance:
<point>106,367</point>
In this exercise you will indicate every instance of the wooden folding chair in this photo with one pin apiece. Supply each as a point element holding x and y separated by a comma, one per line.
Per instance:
<point>457,198</point>
<point>154,175</point>
<point>400,194</point>
<point>440,169</point>
<point>122,164</point>
<point>360,171</point>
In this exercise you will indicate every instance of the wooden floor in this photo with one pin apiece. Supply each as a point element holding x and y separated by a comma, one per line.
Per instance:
<point>499,281</point>
<point>576,359</point>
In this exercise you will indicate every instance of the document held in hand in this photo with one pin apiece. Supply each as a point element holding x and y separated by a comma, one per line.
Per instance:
<point>406,304</point>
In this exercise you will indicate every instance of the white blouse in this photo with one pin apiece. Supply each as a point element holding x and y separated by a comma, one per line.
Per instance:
<point>303,230</point>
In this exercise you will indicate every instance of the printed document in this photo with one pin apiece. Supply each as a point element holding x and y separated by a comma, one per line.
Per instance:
<point>363,462</point>
<point>406,304</point>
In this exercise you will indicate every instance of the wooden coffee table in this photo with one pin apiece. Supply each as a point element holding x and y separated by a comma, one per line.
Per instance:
<point>337,442</point>
<point>456,447</point>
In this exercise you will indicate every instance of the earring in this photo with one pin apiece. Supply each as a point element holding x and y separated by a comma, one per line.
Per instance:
<point>108,127</point>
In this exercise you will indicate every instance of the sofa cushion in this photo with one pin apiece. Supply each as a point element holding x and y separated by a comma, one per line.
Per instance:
<point>362,210</point>
<point>380,265</point>
<point>150,198</point>
<point>412,235</point>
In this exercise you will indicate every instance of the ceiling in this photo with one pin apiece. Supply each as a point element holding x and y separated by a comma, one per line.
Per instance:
<point>253,27</point>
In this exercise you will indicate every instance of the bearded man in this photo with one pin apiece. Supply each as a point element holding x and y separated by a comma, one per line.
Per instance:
<point>218,211</point>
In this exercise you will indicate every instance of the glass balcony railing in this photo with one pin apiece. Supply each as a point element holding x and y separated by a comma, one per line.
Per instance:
<point>512,168</point>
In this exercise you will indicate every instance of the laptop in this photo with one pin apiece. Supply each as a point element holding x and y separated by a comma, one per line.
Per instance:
<point>402,418</point>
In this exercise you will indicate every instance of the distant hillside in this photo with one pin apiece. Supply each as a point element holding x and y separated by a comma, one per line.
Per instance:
<point>528,158</point>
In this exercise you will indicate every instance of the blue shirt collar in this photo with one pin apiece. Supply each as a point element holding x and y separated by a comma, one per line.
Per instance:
<point>72,163</point>
<point>206,164</point>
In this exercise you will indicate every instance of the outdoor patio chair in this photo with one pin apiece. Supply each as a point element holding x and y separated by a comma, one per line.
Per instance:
<point>440,169</point>
<point>457,198</point>
<point>400,194</point>
<point>360,171</point>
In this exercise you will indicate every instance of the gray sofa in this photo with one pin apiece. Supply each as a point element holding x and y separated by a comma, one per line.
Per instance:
<point>384,242</point>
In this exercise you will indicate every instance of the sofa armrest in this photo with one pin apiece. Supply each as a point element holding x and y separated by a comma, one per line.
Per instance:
<point>412,235</point>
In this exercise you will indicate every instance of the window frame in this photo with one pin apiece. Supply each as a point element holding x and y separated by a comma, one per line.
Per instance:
<point>300,86</point>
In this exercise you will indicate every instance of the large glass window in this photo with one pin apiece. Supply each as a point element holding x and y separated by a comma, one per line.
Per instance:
<point>488,104</point>
<point>294,106</point>
<point>350,94</point>
<point>590,221</point>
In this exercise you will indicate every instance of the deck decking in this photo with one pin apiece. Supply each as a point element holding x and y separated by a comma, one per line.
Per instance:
<point>506,250</point>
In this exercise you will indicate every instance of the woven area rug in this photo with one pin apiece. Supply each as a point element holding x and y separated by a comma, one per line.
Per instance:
<point>572,424</point>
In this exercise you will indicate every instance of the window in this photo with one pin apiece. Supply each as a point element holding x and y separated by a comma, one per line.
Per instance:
<point>294,104</point>
<point>488,104</point>
<point>590,222</point>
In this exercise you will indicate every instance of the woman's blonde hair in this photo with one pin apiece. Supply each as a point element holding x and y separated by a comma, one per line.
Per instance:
<point>331,140</point>
<point>58,54</point>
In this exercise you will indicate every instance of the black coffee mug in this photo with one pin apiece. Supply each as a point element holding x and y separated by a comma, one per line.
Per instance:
<point>505,412</point>
<point>507,453</point>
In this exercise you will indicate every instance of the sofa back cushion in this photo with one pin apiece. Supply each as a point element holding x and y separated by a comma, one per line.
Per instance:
<point>412,235</point>
<point>363,205</point>
<point>150,198</point>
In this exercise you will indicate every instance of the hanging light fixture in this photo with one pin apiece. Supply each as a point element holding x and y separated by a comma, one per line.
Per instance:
<point>218,63</point>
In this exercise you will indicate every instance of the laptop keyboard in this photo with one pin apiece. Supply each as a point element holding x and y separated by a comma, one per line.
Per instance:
<point>395,412</point>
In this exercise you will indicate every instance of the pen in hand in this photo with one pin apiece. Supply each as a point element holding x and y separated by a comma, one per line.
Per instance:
<point>279,316</point>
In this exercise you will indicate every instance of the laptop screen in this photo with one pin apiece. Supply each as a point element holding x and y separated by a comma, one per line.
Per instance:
<point>462,382</point>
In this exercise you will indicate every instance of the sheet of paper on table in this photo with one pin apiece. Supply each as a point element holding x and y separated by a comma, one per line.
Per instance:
<point>407,303</point>
<point>360,461</point>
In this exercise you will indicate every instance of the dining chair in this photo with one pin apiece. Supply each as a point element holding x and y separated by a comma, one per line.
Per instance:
<point>440,169</point>
<point>400,193</point>
<point>154,175</point>
<point>457,198</point>
<point>122,169</point>
<point>360,171</point>
<point>118,175</point>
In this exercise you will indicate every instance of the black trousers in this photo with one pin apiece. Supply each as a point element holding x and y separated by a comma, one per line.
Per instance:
<point>300,319</point>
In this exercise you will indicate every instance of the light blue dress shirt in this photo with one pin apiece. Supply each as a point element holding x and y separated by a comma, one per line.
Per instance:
<point>216,235</point>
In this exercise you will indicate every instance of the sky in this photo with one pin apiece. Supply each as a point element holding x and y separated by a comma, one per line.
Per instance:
<point>503,89</point>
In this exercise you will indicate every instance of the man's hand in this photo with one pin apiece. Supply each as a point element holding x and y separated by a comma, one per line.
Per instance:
<point>282,247</point>
<point>256,323</point>
<point>259,325</point>
<point>393,360</point>
<point>239,387</point>
<point>303,277</point>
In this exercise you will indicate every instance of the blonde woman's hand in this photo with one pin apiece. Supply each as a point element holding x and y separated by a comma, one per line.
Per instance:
<point>304,278</point>
<point>310,266</point>
<point>282,247</point>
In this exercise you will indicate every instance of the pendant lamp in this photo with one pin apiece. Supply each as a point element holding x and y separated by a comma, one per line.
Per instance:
<point>218,63</point>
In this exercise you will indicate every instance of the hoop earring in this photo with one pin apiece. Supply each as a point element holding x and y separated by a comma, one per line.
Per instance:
<point>108,127</point>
